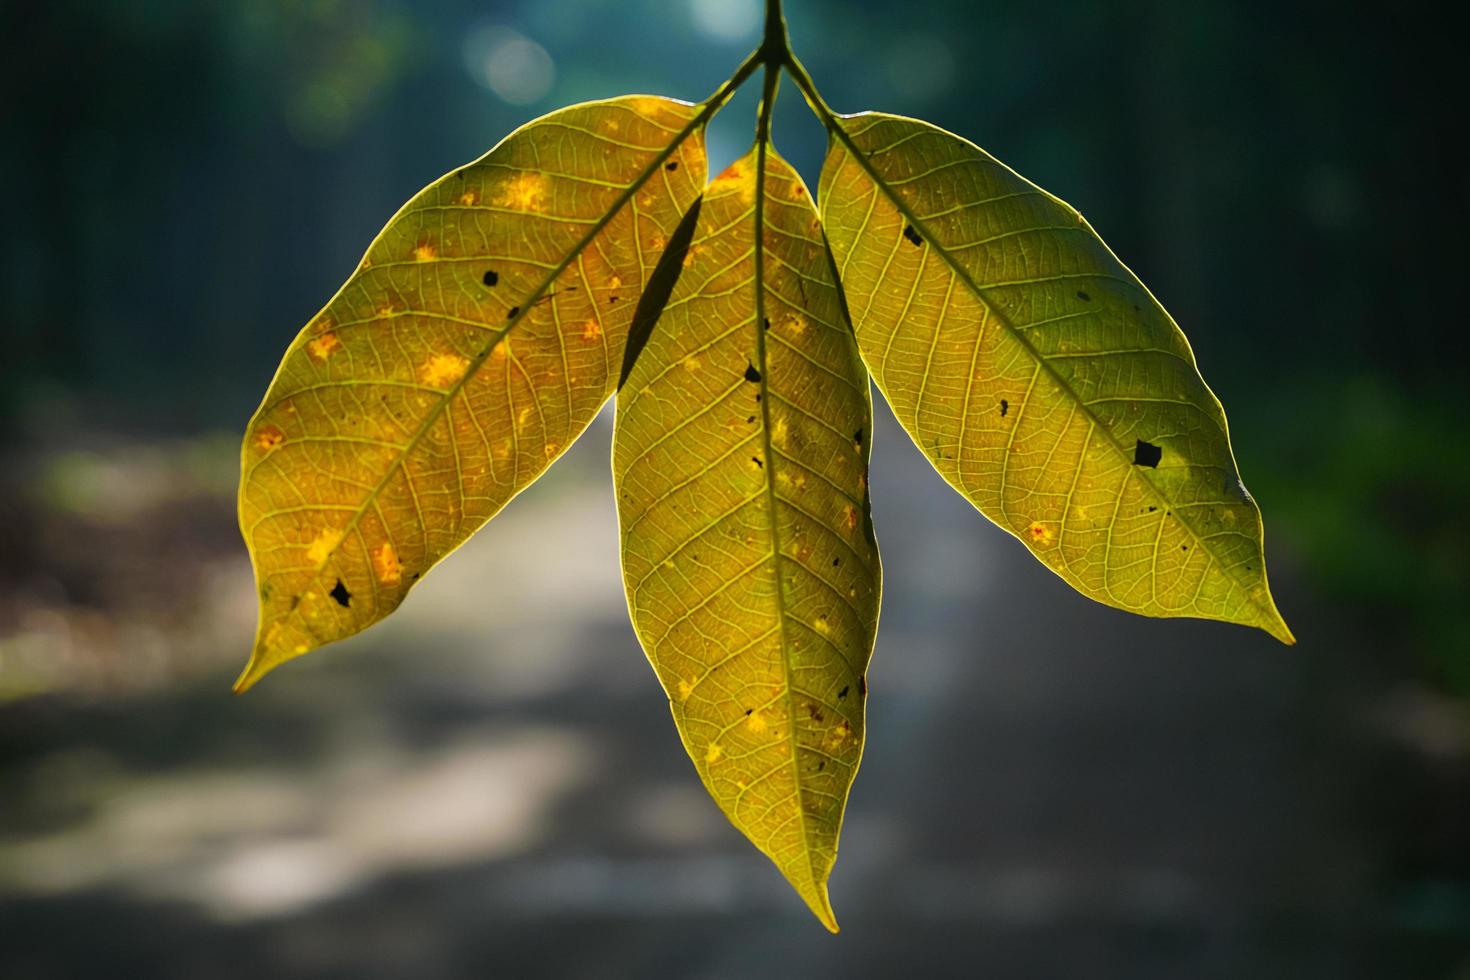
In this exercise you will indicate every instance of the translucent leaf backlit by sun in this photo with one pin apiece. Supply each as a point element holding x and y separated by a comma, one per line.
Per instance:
<point>481,333</point>
<point>1039,376</point>
<point>740,460</point>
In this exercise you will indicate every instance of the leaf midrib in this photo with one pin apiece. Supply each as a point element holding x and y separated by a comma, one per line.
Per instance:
<point>769,470</point>
<point>835,127</point>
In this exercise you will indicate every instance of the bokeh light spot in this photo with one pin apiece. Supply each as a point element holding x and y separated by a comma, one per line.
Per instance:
<point>725,20</point>
<point>517,69</point>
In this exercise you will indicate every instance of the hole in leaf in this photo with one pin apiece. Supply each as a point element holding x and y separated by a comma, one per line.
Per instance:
<point>1147,454</point>
<point>340,593</point>
<point>912,235</point>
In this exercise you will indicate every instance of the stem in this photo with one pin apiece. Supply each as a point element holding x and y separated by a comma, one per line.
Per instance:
<point>721,95</point>
<point>769,88</point>
<point>776,47</point>
<point>808,88</point>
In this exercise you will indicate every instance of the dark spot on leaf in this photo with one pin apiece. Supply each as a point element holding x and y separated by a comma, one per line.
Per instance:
<point>1152,508</point>
<point>1083,296</point>
<point>842,693</point>
<point>295,601</point>
<point>612,299</point>
<point>513,312</point>
<point>751,374</point>
<point>757,461</point>
<point>765,323</point>
<point>340,593</point>
<point>1137,308</point>
<point>671,166</point>
<point>862,687</point>
<point>912,235</point>
<point>1147,454</point>
<point>490,278</point>
<point>414,575</point>
<point>836,562</point>
<point>857,437</point>
<point>748,711</point>
<point>750,418</point>
<point>821,764</point>
<point>1005,406</point>
<point>815,712</point>
<point>1184,547</point>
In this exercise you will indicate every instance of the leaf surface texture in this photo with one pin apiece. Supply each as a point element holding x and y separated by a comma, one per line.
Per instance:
<point>740,462</point>
<point>479,336</point>
<point>1039,376</point>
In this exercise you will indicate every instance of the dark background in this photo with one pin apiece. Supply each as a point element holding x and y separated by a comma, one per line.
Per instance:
<point>490,782</point>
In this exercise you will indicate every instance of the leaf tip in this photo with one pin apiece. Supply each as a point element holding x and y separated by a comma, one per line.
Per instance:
<point>1281,631</point>
<point>821,905</point>
<point>259,665</point>
<point>252,673</point>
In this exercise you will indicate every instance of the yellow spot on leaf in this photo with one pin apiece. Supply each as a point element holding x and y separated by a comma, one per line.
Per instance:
<point>324,346</point>
<point>649,107</point>
<point>823,627</point>
<point>386,564</point>
<point>268,437</point>
<point>849,516</point>
<point>521,417</point>
<point>443,370</point>
<point>657,242</point>
<point>737,177</point>
<point>591,330</point>
<point>322,545</point>
<point>552,448</point>
<point>712,754</point>
<point>755,722</point>
<point>524,192</point>
<point>778,432</point>
<point>795,323</point>
<point>424,252</point>
<point>469,198</point>
<point>691,363</point>
<point>838,735</point>
<point>1040,534</point>
<point>686,686</point>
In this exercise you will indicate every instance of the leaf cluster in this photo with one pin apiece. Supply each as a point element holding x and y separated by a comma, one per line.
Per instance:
<point>739,323</point>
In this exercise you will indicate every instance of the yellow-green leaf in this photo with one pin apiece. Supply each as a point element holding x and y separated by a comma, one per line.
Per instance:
<point>1039,376</point>
<point>740,460</point>
<point>481,333</point>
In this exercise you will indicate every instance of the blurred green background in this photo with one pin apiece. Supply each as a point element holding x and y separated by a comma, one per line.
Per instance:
<point>491,781</point>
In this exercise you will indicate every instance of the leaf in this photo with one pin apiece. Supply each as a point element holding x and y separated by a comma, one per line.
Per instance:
<point>477,339</point>
<point>740,460</point>
<point>1039,376</point>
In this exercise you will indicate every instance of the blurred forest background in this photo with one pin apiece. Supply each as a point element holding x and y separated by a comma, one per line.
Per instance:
<point>491,782</point>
